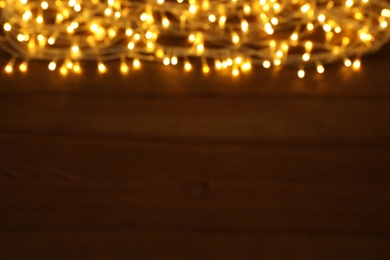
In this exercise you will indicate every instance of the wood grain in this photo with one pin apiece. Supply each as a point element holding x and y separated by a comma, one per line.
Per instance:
<point>167,165</point>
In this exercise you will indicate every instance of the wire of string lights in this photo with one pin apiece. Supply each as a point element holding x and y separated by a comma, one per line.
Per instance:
<point>225,34</point>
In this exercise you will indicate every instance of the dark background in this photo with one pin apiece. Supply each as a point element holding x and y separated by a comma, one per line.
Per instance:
<point>163,164</point>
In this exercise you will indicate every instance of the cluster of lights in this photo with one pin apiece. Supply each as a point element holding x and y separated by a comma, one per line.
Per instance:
<point>225,34</point>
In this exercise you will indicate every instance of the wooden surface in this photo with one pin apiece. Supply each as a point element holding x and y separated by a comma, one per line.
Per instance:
<point>166,165</point>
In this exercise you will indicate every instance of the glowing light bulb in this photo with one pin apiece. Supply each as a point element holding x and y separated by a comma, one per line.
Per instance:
<point>327,27</point>
<point>294,36</point>
<point>9,68</point>
<point>301,73</point>
<point>247,9</point>
<point>266,64</point>
<point>244,26</point>
<point>246,66</point>
<point>165,22</point>
<point>129,32</point>
<point>166,61</point>
<point>205,69</point>
<point>52,66</point>
<point>23,66</point>
<point>44,5</point>
<point>69,64</point>
<point>27,15</point>
<point>306,56</point>
<point>212,18</point>
<point>77,68</point>
<point>20,37</point>
<point>7,27</point>
<point>63,71</point>
<point>131,45</point>
<point>51,41</point>
<point>308,45</point>
<point>321,18</point>
<point>193,9</point>
<point>39,19</point>
<point>305,8</point>
<point>235,38</point>
<point>187,66</point>
<point>385,13</point>
<point>77,8</point>
<point>199,48</point>
<point>347,62</point>
<point>75,49</point>
<point>218,64</point>
<point>356,64</point>
<point>136,63</point>
<point>191,37</point>
<point>320,69</point>
<point>102,68</point>
<point>124,68</point>
<point>235,72</point>
<point>174,60</point>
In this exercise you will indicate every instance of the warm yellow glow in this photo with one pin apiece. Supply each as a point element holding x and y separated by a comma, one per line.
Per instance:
<point>39,19</point>
<point>306,56</point>
<point>218,64</point>
<point>235,38</point>
<point>101,67</point>
<point>77,68</point>
<point>200,48</point>
<point>235,72</point>
<point>165,22</point>
<point>246,66</point>
<point>205,68</point>
<point>75,49</point>
<point>386,13</point>
<point>166,61</point>
<point>301,73</point>
<point>294,36</point>
<point>63,71</point>
<point>234,35</point>
<point>174,60</point>
<point>51,41</point>
<point>23,66</point>
<point>308,45</point>
<point>349,3</point>
<point>124,68</point>
<point>52,66</point>
<point>27,15</point>
<point>320,69</point>
<point>7,27</point>
<point>187,66</point>
<point>136,64</point>
<point>129,32</point>
<point>20,37</point>
<point>321,18</point>
<point>347,62</point>
<point>267,64</point>
<point>8,69</point>
<point>68,64</point>
<point>131,45</point>
<point>44,5</point>
<point>356,64</point>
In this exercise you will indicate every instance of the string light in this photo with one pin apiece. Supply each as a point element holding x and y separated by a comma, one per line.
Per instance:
<point>172,32</point>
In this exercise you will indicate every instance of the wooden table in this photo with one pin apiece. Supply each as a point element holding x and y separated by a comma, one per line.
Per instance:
<point>163,164</point>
